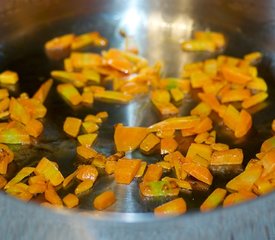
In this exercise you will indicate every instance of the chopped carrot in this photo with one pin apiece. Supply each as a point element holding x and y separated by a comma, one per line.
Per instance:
<point>102,115</point>
<point>141,169</point>
<point>177,94</point>
<point>69,93</point>
<point>84,186</point>
<point>14,133</point>
<point>20,190</point>
<point>113,96</point>
<point>166,133</point>
<point>268,144</point>
<point>126,170</point>
<point>69,179</point>
<point>213,200</point>
<point>37,188</point>
<point>9,77</point>
<point>153,173</point>
<point>23,173</point>
<point>90,126</point>
<point>35,108</point>
<point>268,161</point>
<point>87,139</point>
<point>99,161</point>
<point>149,142</point>
<point>258,84</point>
<point>87,172</point>
<point>90,38</point>
<point>158,188</point>
<point>202,110</point>
<point>52,196</point>
<point>254,99</point>
<point>165,165</point>
<point>238,197</point>
<point>104,200</point>
<point>253,57</point>
<point>244,124</point>
<point>225,157</point>
<point>202,150</point>
<point>211,100</point>
<point>219,146</point>
<point>3,182</point>
<point>86,152</point>
<point>70,80</point>
<point>273,125</point>
<point>110,167</point>
<point>93,118</point>
<point>87,97</point>
<point>234,75</point>
<point>4,104</point>
<point>42,93</point>
<point>34,127</point>
<point>18,112</point>
<point>71,200</point>
<point>235,95</point>
<point>199,172</point>
<point>72,126</point>
<point>172,208</point>
<point>168,145</point>
<point>128,138</point>
<point>49,171</point>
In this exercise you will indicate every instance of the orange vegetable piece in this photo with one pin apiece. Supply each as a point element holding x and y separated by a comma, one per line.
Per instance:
<point>35,108</point>
<point>9,77</point>
<point>165,165</point>
<point>263,186</point>
<point>235,95</point>
<point>84,186</point>
<point>113,96</point>
<point>4,93</point>
<point>71,200</point>
<point>149,142</point>
<point>59,47</point>
<point>231,117</point>
<point>141,169</point>
<point>176,123</point>
<point>268,144</point>
<point>273,125</point>
<point>4,104</point>
<point>204,125</point>
<point>102,115</point>
<point>177,94</point>
<point>238,197</point>
<point>213,200</point>
<point>234,75</point>
<point>3,182</point>
<point>84,60</point>
<point>72,126</point>
<point>199,172</point>
<point>244,124</point>
<point>255,99</point>
<point>257,84</point>
<point>20,190</point>
<point>69,93</point>
<point>200,149</point>
<point>246,179</point>
<point>90,38</point>
<point>225,157</point>
<point>90,126</point>
<point>23,173</point>
<point>198,45</point>
<point>42,93</point>
<point>166,108</point>
<point>171,208</point>
<point>153,173</point>
<point>93,118</point>
<point>128,138</point>
<point>87,172</point>
<point>34,127</point>
<point>202,110</point>
<point>168,145</point>
<point>49,171</point>
<point>126,170</point>
<point>6,157</point>
<point>199,78</point>
<point>268,161</point>
<point>211,100</point>
<point>110,167</point>
<point>52,196</point>
<point>219,146</point>
<point>200,161</point>
<point>87,97</point>
<point>70,80</point>
<point>86,152</point>
<point>166,133</point>
<point>104,200</point>
<point>69,179</point>
<point>18,112</point>
<point>37,188</point>
<point>253,57</point>
<point>87,139</point>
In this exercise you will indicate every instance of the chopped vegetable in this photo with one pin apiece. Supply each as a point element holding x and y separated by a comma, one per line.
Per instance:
<point>213,200</point>
<point>72,126</point>
<point>104,200</point>
<point>71,200</point>
<point>172,208</point>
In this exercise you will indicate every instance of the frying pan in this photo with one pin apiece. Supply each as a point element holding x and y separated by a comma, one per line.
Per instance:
<point>157,26</point>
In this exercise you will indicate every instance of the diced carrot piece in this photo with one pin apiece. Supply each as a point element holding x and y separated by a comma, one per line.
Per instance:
<point>200,160</point>
<point>213,200</point>
<point>253,57</point>
<point>219,146</point>
<point>126,170</point>
<point>238,197</point>
<point>231,117</point>
<point>255,99</point>
<point>87,139</point>
<point>141,169</point>
<point>113,96</point>
<point>87,97</point>
<point>176,123</point>
<point>202,110</point>
<point>90,126</point>
<point>166,133</point>
<point>204,125</point>
<point>9,77</point>
<point>72,126</point>
<point>69,79</point>
<point>4,104</point>
<point>172,208</point>
<point>268,162</point>
<point>177,94</point>
<point>91,75</point>
<point>104,200</point>
<point>110,167</point>
<point>20,190</point>
<point>87,172</point>
<point>86,152</point>
<point>245,180</point>
<point>99,161</point>
<point>168,145</point>
<point>202,150</point>
<point>257,84</point>
<point>52,196</point>
<point>4,93</point>
<point>37,188</point>
<point>3,182</point>
<point>71,200</point>
<point>42,93</point>
<point>84,186</point>
<point>273,125</point>
<point>3,166</point>
<point>128,138</point>
<point>165,165</point>
<point>49,171</point>
<point>231,156</point>
<point>199,78</point>
<point>263,186</point>
<point>23,173</point>
<point>35,108</point>
<point>59,47</point>
<point>18,112</point>
<point>235,95</point>
<point>91,38</point>
<point>149,142</point>
<point>234,75</point>
<point>69,93</point>
<point>14,133</point>
<point>34,127</point>
<point>166,109</point>
<point>268,144</point>
<point>198,45</point>
<point>68,65</point>
<point>102,115</point>
<point>171,157</point>
<point>158,188</point>
<point>244,124</point>
<point>153,173</point>
<point>84,60</point>
<point>93,118</point>
<point>211,100</point>
<point>199,172</point>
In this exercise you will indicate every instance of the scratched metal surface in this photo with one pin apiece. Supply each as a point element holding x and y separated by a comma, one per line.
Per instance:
<point>158,27</point>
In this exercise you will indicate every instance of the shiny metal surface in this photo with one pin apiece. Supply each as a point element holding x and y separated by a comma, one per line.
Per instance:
<point>158,27</point>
